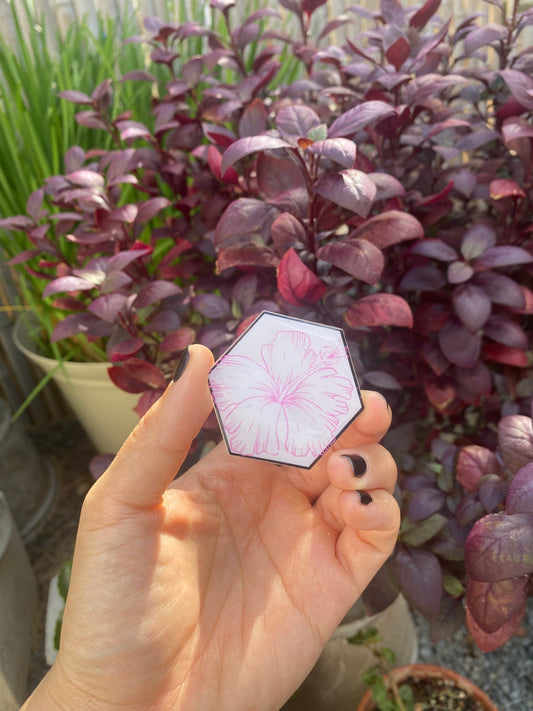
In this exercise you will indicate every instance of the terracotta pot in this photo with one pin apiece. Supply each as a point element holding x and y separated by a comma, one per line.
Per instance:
<point>431,671</point>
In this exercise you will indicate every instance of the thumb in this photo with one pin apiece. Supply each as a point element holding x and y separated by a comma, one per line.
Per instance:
<point>150,458</point>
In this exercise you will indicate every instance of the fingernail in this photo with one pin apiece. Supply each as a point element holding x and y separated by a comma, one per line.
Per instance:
<point>182,364</point>
<point>365,497</point>
<point>358,464</point>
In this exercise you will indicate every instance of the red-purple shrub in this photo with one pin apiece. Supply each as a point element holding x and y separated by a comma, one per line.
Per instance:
<point>385,187</point>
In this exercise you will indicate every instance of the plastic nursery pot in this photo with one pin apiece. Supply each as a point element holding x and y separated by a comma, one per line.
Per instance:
<point>105,412</point>
<point>431,671</point>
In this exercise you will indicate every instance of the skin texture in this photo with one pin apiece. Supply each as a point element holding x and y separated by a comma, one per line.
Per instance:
<point>217,590</point>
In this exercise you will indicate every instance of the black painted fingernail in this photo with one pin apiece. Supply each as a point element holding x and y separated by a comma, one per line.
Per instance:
<point>182,364</point>
<point>358,464</point>
<point>365,497</point>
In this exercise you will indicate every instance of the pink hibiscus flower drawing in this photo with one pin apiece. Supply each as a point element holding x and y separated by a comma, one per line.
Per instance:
<point>288,404</point>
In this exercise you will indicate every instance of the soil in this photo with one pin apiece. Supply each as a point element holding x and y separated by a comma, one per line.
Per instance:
<point>441,695</point>
<point>67,447</point>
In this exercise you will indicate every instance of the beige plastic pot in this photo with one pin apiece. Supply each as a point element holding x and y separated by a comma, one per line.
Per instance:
<point>431,671</point>
<point>105,411</point>
<point>335,682</point>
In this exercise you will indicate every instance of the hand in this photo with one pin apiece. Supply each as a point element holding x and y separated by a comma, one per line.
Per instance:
<point>217,590</point>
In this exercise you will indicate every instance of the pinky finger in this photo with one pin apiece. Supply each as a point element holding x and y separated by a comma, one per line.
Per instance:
<point>369,535</point>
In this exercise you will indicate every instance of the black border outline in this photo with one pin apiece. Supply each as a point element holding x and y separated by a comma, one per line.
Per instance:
<point>350,363</point>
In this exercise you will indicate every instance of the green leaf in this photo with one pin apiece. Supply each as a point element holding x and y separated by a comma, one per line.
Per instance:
<point>366,637</point>
<point>63,578</point>
<point>423,531</point>
<point>452,585</point>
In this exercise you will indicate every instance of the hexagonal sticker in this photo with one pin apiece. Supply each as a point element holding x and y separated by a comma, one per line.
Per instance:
<point>285,390</point>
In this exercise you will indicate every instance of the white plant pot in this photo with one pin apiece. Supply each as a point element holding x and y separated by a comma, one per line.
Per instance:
<point>105,411</point>
<point>335,683</point>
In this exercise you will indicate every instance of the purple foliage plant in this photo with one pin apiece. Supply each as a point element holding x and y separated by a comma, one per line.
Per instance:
<point>380,181</point>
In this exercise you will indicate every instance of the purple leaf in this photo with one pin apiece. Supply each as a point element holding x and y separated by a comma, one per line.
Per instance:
<point>387,186</point>
<point>476,240</point>
<point>469,510</point>
<point>86,178</point>
<point>493,604</point>
<point>163,321</point>
<point>279,176</point>
<point>296,282</point>
<point>520,85</point>
<point>397,52</point>
<point>288,231</point>
<point>150,208</point>
<point>243,255</point>
<point>482,36</point>
<point>351,189</point>
<point>244,291</point>
<point>358,117</point>
<point>357,257</point>
<point>459,272</point>
<point>379,310</point>
<point>178,340</point>
<point>504,188</point>
<point>504,256</point>
<point>72,325</point>
<point>420,576</point>
<point>253,120</point>
<point>388,228</point>
<point>212,306</point>
<point>520,494</point>
<point>340,150</point>
<point>246,146</point>
<point>459,345</point>
<point>500,546</point>
<point>155,291</point>
<point>489,642</point>
<point>449,619</point>
<point>501,289</point>
<point>68,284</point>
<point>474,382</point>
<point>503,330</point>
<point>381,379</point>
<point>515,437</point>
<point>122,259</point>
<point>473,463</point>
<point>423,278</point>
<point>91,119</point>
<point>514,128</point>
<point>472,306</point>
<point>136,376</point>
<point>130,130</point>
<point>125,349</point>
<point>108,307</point>
<point>436,249</point>
<point>425,502</point>
<point>492,491</point>
<point>76,97</point>
<point>242,218</point>
<point>296,121</point>
<point>18,223</point>
<point>422,16</point>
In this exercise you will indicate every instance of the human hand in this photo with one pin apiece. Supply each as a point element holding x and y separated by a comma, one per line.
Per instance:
<point>217,590</point>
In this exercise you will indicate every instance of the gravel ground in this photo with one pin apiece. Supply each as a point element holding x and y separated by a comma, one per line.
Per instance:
<point>505,675</point>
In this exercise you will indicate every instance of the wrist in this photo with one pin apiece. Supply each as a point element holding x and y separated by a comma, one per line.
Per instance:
<point>56,693</point>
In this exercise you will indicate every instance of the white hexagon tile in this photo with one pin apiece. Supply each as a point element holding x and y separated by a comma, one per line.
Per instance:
<point>285,390</point>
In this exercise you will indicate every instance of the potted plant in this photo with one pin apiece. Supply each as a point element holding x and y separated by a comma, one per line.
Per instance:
<point>415,686</point>
<point>379,182</point>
